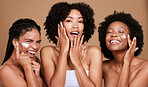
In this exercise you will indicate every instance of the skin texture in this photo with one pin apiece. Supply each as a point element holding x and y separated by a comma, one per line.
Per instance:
<point>22,69</point>
<point>125,69</point>
<point>71,54</point>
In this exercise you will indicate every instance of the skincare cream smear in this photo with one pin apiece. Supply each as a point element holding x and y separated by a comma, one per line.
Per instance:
<point>25,45</point>
<point>124,36</point>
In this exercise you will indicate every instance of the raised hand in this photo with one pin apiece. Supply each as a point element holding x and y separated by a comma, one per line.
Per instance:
<point>130,52</point>
<point>22,58</point>
<point>77,51</point>
<point>63,40</point>
<point>36,68</point>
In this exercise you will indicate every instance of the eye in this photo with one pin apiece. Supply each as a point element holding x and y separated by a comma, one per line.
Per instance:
<point>68,21</point>
<point>121,31</point>
<point>38,41</point>
<point>109,32</point>
<point>80,21</point>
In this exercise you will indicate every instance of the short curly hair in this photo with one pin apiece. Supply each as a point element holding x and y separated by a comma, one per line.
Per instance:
<point>60,11</point>
<point>134,27</point>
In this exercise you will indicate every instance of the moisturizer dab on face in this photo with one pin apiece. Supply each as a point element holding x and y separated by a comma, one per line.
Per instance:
<point>25,45</point>
<point>124,36</point>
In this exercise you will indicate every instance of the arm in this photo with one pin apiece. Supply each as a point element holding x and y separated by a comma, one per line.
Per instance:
<point>58,73</point>
<point>24,60</point>
<point>94,54</point>
<point>53,73</point>
<point>95,71</point>
<point>125,73</point>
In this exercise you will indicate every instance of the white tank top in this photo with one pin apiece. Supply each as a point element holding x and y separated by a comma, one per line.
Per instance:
<point>71,78</point>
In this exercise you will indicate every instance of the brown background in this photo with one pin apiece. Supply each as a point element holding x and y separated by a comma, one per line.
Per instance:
<point>11,10</point>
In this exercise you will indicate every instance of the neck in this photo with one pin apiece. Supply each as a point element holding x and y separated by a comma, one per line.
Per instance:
<point>119,57</point>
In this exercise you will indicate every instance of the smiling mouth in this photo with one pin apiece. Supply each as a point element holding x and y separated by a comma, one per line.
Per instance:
<point>114,42</point>
<point>74,33</point>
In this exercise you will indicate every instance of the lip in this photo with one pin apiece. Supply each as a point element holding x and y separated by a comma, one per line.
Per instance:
<point>114,41</point>
<point>74,33</point>
<point>31,53</point>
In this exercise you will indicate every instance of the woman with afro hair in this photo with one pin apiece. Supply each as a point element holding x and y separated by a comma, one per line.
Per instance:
<point>121,41</point>
<point>71,63</point>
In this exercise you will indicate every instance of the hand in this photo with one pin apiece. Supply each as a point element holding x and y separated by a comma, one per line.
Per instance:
<point>77,51</point>
<point>22,58</point>
<point>62,40</point>
<point>36,68</point>
<point>130,52</point>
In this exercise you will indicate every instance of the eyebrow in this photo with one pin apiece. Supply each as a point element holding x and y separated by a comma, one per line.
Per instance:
<point>117,28</point>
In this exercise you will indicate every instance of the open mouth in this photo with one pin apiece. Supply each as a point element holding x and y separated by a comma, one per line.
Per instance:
<point>31,54</point>
<point>74,33</point>
<point>114,42</point>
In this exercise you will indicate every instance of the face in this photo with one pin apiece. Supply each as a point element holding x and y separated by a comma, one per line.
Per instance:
<point>30,42</point>
<point>73,24</point>
<point>117,36</point>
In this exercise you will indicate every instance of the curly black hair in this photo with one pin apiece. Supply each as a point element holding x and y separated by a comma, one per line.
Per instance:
<point>60,11</point>
<point>134,27</point>
<point>19,28</point>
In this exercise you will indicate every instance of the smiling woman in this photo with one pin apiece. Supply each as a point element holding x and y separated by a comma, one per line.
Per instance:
<point>70,62</point>
<point>21,68</point>
<point>121,41</point>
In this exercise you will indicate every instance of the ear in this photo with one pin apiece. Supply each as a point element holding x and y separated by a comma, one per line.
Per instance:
<point>14,42</point>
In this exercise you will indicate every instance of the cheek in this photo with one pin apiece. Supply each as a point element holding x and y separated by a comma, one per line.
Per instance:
<point>25,45</point>
<point>68,25</point>
<point>123,36</point>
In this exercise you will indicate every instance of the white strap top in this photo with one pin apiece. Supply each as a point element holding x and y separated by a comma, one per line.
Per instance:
<point>71,78</point>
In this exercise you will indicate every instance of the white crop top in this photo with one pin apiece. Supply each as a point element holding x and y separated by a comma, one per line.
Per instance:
<point>71,78</point>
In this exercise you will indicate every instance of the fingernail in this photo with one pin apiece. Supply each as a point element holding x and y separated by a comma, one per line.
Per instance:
<point>128,35</point>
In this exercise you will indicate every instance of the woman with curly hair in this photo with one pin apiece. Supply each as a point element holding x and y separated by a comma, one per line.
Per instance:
<point>21,68</point>
<point>70,62</point>
<point>121,41</point>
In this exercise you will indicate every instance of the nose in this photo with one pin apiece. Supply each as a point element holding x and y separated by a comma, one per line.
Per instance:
<point>34,46</point>
<point>114,34</point>
<point>75,26</point>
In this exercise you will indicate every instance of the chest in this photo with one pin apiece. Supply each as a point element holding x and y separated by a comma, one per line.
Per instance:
<point>111,76</point>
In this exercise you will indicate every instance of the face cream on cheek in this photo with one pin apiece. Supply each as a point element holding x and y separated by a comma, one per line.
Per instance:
<point>25,45</point>
<point>124,36</point>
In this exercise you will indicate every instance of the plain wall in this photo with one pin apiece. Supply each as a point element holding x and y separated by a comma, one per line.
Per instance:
<point>11,10</point>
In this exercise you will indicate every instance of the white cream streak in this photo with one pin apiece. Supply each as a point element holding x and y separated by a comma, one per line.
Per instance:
<point>25,45</point>
<point>124,36</point>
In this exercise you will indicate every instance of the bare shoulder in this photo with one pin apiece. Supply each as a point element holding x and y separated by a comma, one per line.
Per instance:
<point>144,65</point>
<point>93,49</point>
<point>47,51</point>
<point>94,53</point>
<point>8,75</point>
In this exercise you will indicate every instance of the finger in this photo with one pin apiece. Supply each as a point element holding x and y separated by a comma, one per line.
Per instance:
<point>58,30</point>
<point>75,41</point>
<point>134,44</point>
<point>129,40</point>
<point>78,40</point>
<point>17,50</point>
<point>82,38</point>
<point>57,40</point>
<point>72,44</point>
<point>83,49</point>
<point>34,63</point>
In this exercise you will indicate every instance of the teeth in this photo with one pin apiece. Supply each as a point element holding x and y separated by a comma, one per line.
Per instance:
<point>74,33</point>
<point>31,52</point>
<point>115,41</point>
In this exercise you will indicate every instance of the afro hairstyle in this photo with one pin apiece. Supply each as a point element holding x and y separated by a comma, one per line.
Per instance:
<point>134,27</point>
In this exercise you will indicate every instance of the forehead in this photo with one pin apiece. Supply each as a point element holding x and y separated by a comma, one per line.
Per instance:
<point>75,12</point>
<point>118,24</point>
<point>33,34</point>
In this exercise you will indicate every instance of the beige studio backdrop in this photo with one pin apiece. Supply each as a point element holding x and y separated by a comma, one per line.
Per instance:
<point>11,10</point>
